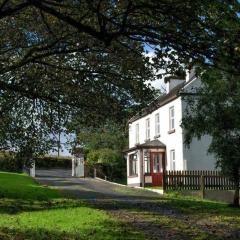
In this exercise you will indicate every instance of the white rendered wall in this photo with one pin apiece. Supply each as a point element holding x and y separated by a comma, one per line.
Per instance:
<point>197,156</point>
<point>173,141</point>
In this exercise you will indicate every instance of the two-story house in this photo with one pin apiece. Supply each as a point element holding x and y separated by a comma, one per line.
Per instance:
<point>156,139</point>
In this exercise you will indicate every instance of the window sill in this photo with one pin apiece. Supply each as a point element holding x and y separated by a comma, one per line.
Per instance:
<point>133,176</point>
<point>171,131</point>
<point>157,136</point>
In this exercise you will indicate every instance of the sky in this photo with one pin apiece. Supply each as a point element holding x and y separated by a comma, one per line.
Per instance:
<point>159,83</point>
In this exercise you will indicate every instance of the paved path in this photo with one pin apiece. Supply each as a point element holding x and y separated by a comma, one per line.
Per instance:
<point>91,189</point>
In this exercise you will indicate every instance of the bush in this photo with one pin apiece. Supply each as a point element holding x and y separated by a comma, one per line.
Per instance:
<point>53,162</point>
<point>9,162</point>
<point>108,163</point>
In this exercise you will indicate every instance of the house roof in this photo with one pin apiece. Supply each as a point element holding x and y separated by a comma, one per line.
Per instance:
<point>149,144</point>
<point>159,102</point>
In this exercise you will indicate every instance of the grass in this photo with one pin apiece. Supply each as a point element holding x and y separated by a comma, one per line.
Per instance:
<point>217,212</point>
<point>196,218</point>
<point>188,217</point>
<point>31,211</point>
<point>20,186</point>
<point>154,188</point>
<point>129,190</point>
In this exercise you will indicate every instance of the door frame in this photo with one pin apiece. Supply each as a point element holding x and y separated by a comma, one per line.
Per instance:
<point>162,166</point>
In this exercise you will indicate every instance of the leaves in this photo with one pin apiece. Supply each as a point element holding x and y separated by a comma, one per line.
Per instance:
<point>86,59</point>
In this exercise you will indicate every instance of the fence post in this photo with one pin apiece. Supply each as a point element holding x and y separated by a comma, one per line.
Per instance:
<point>202,186</point>
<point>164,181</point>
<point>95,172</point>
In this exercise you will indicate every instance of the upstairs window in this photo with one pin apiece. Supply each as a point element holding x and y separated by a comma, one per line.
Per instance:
<point>133,164</point>
<point>171,118</point>
<point>137,133</point>
<point>157,124</point>
<point>148,129</point>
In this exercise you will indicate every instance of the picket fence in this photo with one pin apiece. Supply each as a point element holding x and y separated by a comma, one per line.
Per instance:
<point>196,180</point>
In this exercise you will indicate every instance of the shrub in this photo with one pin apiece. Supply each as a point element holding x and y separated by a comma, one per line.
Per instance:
<point>53,162</point>
<point>108,162</point>
<point>9,162</point>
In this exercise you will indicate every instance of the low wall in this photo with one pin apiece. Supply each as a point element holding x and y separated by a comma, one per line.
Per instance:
<point>223,196</point>
<point>214,195</point>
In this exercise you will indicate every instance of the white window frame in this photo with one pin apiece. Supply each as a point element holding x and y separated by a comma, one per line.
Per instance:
<point>147,128</point>
<point>137,133</point>
<point>133,168</point>
<point>171,118</point>
<point>147,167</point>
<point>173,159</point>
<point>157,124</point>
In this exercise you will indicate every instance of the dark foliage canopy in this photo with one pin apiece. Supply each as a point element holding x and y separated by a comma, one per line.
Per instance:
<point>84,60</point>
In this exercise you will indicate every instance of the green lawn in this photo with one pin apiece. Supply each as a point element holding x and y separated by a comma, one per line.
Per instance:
<point>195,207</point>
<point>197,218</point>
<point>31,211</point>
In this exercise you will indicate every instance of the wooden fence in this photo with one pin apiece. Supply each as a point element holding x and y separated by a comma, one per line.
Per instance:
<point>196,180</point>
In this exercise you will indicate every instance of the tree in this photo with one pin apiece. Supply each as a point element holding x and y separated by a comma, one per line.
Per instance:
<point>104,146</point>
<point>214,110</point>
<point>88,56</point>
<point>38,33</point>
<point>26,126</point>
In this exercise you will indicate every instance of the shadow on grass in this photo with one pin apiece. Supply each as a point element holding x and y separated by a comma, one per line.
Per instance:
<point>106,230</point>
<point>195,205</point>
<point>169,206</point>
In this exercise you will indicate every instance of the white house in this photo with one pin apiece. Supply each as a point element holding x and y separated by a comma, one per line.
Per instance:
<point>156,139</point>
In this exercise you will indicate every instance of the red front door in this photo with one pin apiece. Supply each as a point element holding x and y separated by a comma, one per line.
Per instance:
<point>156,168</point>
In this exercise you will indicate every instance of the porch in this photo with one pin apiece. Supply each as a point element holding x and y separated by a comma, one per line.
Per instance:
<point>146,163</point>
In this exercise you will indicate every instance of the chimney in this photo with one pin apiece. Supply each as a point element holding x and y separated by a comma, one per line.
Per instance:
<point>172,81</point>
<point>190,74</point>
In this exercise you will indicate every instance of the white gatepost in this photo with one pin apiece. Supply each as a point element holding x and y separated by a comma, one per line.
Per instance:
<point>78,166</point>
<point>73,166</point>
<point>33,169</point>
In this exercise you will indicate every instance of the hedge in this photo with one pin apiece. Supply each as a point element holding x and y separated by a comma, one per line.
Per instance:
<point>9,163</point>
<point>53,162</point>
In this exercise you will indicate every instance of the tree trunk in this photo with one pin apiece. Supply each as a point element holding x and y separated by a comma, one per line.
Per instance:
<point>59,143</point>
<point>236,195</point>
